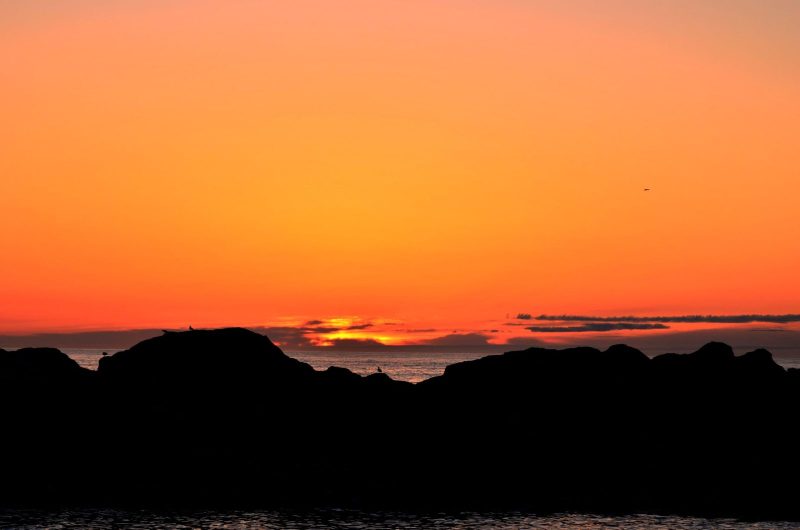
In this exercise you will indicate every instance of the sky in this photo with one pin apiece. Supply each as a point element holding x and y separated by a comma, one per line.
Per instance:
<point>421,169</point>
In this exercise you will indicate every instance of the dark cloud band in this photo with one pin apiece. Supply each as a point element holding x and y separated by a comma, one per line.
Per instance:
<point>717,319</point>
<point>596,327</point>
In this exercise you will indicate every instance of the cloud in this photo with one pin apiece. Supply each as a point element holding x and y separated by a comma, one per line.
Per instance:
<point>523,316</point>
<point>297,336</point>
<point>459,339</point>
<point>784,344</point>
<point>321,329</point>
<point>596,327</point>
<point>717,319</point>
<point>288,338</point>
<point>358,326</point>
<point>321,326</point>
<point>306,337</point>
<point>526,342</point>
<point>87,339</point>
<point>356,344</point>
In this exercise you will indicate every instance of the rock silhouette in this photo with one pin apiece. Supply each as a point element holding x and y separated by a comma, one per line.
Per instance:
<point>30,365</point>
<point>210,417</point>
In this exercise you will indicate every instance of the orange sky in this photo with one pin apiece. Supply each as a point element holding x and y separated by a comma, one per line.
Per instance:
<point>438,163</point>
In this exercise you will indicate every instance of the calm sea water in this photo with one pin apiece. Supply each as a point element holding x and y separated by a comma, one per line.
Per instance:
<point>413,366</point>
<point>402,366</point>
<point>346,519</point>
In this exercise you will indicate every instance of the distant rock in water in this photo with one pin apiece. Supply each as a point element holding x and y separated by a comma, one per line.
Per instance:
<point>202,357</point>
<point>209,417</point>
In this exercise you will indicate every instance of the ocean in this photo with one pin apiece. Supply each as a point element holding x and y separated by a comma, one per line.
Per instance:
<point>412,366</point>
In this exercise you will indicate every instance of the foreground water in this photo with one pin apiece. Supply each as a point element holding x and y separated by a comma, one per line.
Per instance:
<point>413,366</point>
<point>347,519</point>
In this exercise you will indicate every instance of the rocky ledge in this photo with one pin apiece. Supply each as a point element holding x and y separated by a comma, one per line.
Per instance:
<point>213,417</point>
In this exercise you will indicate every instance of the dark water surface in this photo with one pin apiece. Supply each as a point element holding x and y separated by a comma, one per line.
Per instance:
<point>347,519</point>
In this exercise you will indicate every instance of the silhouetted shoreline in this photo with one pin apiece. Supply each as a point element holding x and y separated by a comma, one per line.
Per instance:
<point>223,417</point>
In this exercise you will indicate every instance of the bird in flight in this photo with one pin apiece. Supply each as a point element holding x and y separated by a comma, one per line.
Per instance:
<point>647,189</point>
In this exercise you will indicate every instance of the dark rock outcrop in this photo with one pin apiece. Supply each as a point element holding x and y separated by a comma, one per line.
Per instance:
<point>44,365</point>
<point>201,356</point>
<point>223,416</point>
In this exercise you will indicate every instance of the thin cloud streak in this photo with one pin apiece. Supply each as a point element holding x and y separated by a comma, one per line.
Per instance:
<point>458,339</point>
<point>716,319</point>
<point>596,327</point>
